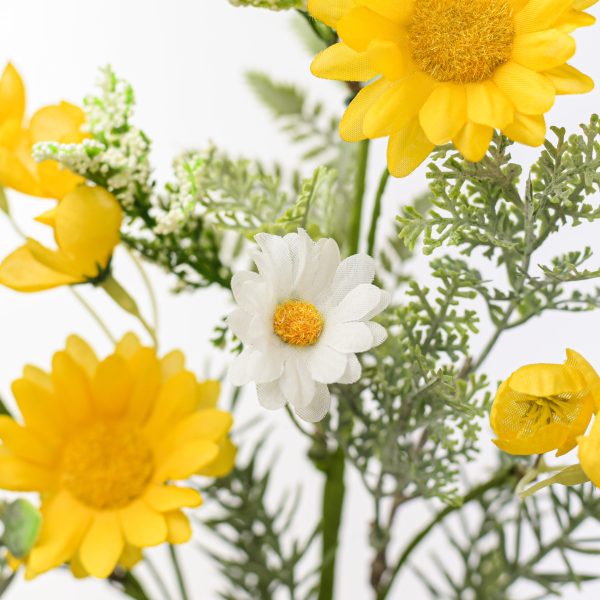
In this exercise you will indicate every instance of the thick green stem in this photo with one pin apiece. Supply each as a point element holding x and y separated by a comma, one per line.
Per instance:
<point>178,573</point>
<point>333,504</point>
<point>385,176</point>
<point>359,195</point>
<point>498,480</point>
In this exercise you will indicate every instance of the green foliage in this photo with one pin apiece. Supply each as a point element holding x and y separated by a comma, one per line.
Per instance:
<point>500,543</point>
<point>258,562</point>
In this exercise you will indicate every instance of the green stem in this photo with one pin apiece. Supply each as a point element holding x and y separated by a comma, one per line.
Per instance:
<point>88,307</point>
<point>116,291</point>
<point>498,480</point>
<point>357,207</point>
<point>128,584</point>
<point>333,504</point>
<point>385,177</point>
<point>148,285</point>
<point>178,572</point>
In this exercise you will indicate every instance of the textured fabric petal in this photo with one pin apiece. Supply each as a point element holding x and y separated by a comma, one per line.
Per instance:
<point>589,453</point>
<point>102,545</point>
<point>531,93</point>
<point>349,337</point>
<point>526,129</point>
<point>317,408</point>
<point>358,304</point>
<point>353,370</point>
<point>545,380</point>
<point>398,12</point>
<point>538,15</point>
<point>112,387</point>
<point>568,80</point>
<point>407,149</point>
<point>277,263</point>
<point>474,140</point>
<point>163,498</point>
<point>354,270</point>
<point>390,59</point>
<point>185,460</point>
<point>543,50</point>
<point>574,359</point>
<point>20,271</point>
<point>179,530</point>
<point>252,365</point>
<point>142,525</point>
<point>444,113</point>
<point>487,105</point>
<point>270,395</point>
<point>378,332</point>
<point>351,125</point>
<point>296,383</point>
<point>329,12</point>
<point>359,27</point>
<point>326,365</point>
<point>545,440</point>
<point>342,63</point>
<point>321,278</point>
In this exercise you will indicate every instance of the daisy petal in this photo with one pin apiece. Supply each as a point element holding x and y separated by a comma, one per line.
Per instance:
<point>357,304</point>
<point>326,365</point>
<point>270,395</point>
<point>378,332</point>
<point>296,383</point>
<point>317,408</point>
<point>353,370</point>
<point>349,337</point>
<point>356,269</point>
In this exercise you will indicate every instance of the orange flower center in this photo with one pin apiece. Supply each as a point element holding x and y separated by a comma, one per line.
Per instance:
<point>298,323</point>
<point>107,465</point>
<point>461,41</point>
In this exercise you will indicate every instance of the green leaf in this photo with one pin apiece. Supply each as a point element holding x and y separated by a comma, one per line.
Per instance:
<point>569,476</point>
<point>21,527</point>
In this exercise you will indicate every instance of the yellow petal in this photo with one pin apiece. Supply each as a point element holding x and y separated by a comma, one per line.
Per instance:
<point>342,63</point>
<point>208,394</point>
<point>399,12</point>
<point>543,50</point>
<point>180,530</point>
<point>390,59</point>
<point>72,388</point>
<point>589,453</point>
<point>407,149</point>
<point>20,271</point>
<point>526,129</point>
<point>574,359</point>
<point>531,93</point>
<point>103,545</point>
<point>186,460</point>
<point>444,113</point>
<point>545,380</point>
<point>473,141</point>
<point>397,107</point>
<point>25,444</point>
<point>487,105</point>
<point>359,27</point>
<point>64,524</point>
<point>128,345</point>
<point>329,12</point>
<point>112,386</point>
<point>568,80</point>
<point>351,125</point>
<point>145,371</point>
<point>142,525</point>
<point>224,463</point>
<point>12,95</point>
<point>574,19</point>
<point>544,440</point>
<point>58,123</point>
<point>83,354</point>
<point>172,363</point>
<point>538,15</point>
<point>167,498</point>
<point>19,475</point>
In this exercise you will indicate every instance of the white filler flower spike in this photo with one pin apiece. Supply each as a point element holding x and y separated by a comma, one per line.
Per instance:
<point>302,318</point>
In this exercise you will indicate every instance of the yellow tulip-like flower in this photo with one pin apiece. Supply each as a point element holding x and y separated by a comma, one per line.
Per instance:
<point>451,70</point>
<point>86,224</point>
<point>104,443</point>
<point>541,408</point>
<point>57,123</point>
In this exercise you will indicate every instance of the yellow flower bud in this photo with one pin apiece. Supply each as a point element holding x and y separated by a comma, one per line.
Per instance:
<point>544,407</point>
<point>86,226</point>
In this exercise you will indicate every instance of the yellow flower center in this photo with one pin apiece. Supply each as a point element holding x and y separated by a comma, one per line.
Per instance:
<point>298,323</point>
<point>461,41</point>
<point>107,465</point>
<point>542,411</point>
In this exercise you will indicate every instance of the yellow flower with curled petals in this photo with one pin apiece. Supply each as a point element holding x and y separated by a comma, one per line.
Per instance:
<point>86,224</point>
<point>56,123</point>
<point>589,453</point>
<point>545,407</point>
<point>109,444</point>
<point>451,70</point>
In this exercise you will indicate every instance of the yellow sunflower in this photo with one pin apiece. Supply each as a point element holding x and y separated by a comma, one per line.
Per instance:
<point>451,70</point>
<point>104,443</point>
<point>56,123</point>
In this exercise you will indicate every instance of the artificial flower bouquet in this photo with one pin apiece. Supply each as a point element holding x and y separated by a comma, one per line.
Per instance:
<point>375,356</point>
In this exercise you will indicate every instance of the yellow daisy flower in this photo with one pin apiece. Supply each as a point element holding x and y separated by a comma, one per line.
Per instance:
<point>86,224</point>
<point>104,443</point>
<point>451,70</point>
<point>541,408</point>
<point>57,123</point>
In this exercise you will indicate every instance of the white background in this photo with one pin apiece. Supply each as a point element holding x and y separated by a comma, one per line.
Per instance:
<point>186,60</point>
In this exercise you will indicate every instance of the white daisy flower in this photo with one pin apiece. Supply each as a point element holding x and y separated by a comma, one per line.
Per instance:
<point>302,318</point>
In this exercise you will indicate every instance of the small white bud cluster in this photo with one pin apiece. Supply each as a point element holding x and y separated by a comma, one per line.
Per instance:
<point>271,4</point>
